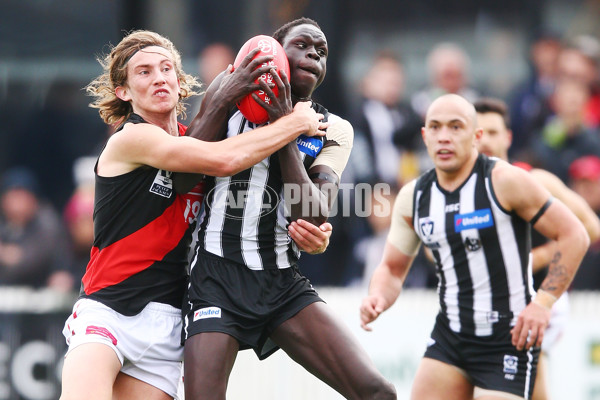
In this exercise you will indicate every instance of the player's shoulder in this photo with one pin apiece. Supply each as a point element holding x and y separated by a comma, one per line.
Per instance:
<point>339,123</point>
<point>510,180</point>
<point>133,131</point>
<point>409,187</point>
<point>406,193</point>
<point>505,169</point>
<point>340,130</point>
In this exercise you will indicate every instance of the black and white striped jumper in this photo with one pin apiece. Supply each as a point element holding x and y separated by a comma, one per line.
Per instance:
<point>244,219</point>
<point>481,251</point>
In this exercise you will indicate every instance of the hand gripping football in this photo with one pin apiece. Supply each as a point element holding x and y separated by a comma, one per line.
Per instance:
<point>268,46</point>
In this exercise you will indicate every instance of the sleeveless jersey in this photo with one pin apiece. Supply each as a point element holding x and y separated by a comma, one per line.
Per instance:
<point>142,233</point>
<point>480,249</point>
<point>244,218</point>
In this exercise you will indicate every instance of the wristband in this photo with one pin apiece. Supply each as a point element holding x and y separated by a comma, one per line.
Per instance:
<point>544,299</point>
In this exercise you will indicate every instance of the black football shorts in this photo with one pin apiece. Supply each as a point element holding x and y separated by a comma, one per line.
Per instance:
<point>491,362</point>
<point>228,297</point>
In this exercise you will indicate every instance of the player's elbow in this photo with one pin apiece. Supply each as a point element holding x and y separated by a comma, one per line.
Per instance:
<point>580,238</point>
<point>226,165</point>
<point>593,230</point>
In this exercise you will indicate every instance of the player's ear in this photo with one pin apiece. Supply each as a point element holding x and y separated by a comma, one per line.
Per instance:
<point>510,137</point>
<point>423,133</point>
<point>122,93</point>
<point>478,133</point>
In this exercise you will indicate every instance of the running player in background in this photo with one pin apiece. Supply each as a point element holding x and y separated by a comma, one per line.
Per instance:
<point>474,213</point>
<point>245,287</point>
<point>124,332</point>
<point>494,120</point>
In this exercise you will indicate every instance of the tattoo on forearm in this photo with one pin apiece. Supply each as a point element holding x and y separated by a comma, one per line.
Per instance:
<point>558,276</point>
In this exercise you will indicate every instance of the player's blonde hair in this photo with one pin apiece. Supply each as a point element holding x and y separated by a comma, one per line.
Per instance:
<point>114,110</point>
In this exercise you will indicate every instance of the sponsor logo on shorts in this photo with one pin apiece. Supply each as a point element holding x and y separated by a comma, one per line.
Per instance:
<point>98,330</point>
<point>475,220</point>
<point>208,312</point>
<point>510,365</point>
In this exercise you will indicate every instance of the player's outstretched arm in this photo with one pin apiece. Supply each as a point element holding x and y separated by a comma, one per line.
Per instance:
<point>147,144</point>
<point>400,250</point>
<point>386,284</point>
<point>518,191</point>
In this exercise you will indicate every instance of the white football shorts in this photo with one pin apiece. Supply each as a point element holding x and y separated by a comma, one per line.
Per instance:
<point>148,344</point>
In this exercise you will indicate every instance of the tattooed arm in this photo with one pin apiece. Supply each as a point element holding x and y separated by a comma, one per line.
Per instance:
<point>518,191</point>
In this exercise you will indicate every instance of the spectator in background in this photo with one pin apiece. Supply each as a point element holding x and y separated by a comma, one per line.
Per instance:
<point>386,131</point>
<point>212,60</point>
<point>78,220</point>
<point>584,176</point>
<point>579,61</point>
<point>530,105</point>
<point>386,127</point>
<point>448,65</point>
<point>566,136</point>
<point>32,238</point>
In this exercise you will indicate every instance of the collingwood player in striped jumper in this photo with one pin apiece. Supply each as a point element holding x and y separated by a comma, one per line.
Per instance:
<point>474,213</point>
<point>124,334</point>
<point>245,290</point>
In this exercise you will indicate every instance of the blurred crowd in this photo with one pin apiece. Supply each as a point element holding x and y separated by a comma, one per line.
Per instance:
<point>555,121</point>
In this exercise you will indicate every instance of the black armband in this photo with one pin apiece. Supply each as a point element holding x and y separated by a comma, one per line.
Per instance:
<point>541,211</point>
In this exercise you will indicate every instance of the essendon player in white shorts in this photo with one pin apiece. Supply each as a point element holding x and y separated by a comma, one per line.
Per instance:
<point>124,332</point>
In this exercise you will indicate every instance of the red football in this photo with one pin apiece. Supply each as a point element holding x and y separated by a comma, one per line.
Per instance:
<point>268,46</point>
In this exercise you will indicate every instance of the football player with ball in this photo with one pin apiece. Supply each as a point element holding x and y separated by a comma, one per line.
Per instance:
<point>125,329</point>
<point>245,289</point>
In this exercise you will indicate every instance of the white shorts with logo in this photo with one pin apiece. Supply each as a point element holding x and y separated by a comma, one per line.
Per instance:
<point>147,344</point>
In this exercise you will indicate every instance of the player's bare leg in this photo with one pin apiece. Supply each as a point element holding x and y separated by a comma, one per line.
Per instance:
<point>437,380</point>
<point>129,388</point>
<point>208,361</point>
<point>325,347</point>
<point>540,391</point>
<point>83,378</point>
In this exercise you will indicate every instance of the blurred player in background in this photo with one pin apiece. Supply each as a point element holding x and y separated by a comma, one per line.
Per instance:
<point>245,287</point>
<point>475,213</point>
<point>493,119</point>
<point>124,332</point>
